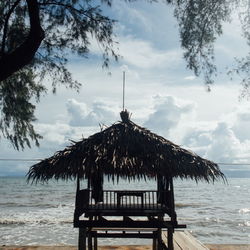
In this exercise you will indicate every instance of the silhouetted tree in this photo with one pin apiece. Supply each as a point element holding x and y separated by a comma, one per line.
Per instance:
<point>37,35</point>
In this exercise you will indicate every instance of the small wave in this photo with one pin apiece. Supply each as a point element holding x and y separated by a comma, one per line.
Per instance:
<point>35,205</point>
<point>34,221</point>
<point>182,205</point>
<point>42,205</point>
<point>207,221</point>
<point>244,211</point>
<point>244,224</point>
<point>11,222</point>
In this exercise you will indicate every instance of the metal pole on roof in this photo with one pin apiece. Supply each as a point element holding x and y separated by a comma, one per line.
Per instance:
<point>123,92</point>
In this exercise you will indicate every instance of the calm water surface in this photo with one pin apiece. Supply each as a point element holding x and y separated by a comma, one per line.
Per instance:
<point>43,214</point>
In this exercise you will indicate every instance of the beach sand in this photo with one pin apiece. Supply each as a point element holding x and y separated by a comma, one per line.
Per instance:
<point>210,246</point>
<point>74,248</point>
<point>228,247</point>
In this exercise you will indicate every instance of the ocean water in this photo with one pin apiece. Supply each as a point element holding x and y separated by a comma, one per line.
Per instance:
<point>42,214</point>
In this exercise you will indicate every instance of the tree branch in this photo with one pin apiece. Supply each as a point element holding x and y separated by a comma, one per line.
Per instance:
<point>5,29</point>
<point>23,55</point>
<point>70,7</point>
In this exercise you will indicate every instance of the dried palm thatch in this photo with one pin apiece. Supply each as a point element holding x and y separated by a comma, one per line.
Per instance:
<point>124,150</point>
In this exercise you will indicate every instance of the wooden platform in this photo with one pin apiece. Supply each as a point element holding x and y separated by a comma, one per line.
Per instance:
<point>127,210</point>
<point>90,229</point>
<point>183,240</point>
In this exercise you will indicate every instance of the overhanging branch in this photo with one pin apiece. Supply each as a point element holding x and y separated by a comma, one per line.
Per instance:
<point>23,55</point>
<point>5,29</point>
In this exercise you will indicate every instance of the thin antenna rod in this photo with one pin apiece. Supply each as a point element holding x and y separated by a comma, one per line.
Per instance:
<point>123,92</point>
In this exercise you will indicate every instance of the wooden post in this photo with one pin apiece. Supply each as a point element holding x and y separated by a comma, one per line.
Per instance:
<point>159,239</point>
<point>78,183</point>
<point>154,243</point>
<point>95,243</point>
<point>89,183</point>
<point>173,217</point>
<point>159,189</point>
<point>170,238</point>
<point>77,189</point>
<point>90,245</point>
<point>159,236</point>
<point>82,239</point>
<point>173,214</point>
<point>95,236</point>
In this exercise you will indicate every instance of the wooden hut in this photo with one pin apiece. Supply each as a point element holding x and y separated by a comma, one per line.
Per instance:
<point>128,151</point>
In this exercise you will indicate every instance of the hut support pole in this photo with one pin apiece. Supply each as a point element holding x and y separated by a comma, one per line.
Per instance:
<point>90,245</point>
<point>159,239</point>
<point>76,213</point>
<point>82,239</point>
<point>170,238</point>
<point>154,243</point>
<point>78,183</point>
<point>173,217</point>
<point>159,236</point>
<point>88,183</point>
<point>173,214</point>
<point>95,243</point>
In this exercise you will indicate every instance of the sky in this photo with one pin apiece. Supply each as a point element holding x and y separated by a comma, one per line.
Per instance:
<point>160,92</point>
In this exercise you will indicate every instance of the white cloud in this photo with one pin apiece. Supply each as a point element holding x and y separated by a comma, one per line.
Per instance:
<point>190,78</point>
<point>220,143</point>
<point>77,111</point>
<point>241,126</point>
<point>56,133</point>
<point>132,15</point>
<point>81,115</point>
<point>167,114</point>
<point>220,140</point>
<point>197,137</point>
<point>136,16</point>
<point>225,146</point>
<point>142,54</point>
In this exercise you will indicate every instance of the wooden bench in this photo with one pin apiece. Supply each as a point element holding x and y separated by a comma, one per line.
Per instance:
<point>121,194</point>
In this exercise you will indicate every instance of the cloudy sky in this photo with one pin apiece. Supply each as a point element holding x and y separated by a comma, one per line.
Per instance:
<point>161,93</point>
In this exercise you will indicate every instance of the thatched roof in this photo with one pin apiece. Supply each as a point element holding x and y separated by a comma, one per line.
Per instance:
<point>124,150</point>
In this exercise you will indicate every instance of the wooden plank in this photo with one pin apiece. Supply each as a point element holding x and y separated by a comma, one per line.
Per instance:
<point>122,224</point>
<point>165,240</point>
<point>125,235</point>
<point>124,229</point>
<point>183,240</point>
<point>196,243</point>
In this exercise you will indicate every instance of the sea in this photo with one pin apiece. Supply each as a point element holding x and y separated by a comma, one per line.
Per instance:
<point>42,214</point>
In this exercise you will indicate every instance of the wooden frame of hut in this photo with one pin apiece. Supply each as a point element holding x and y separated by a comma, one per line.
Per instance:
<point>95,204</point>
<point>125,150</point>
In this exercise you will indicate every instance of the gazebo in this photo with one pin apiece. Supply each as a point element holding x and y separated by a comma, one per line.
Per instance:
<point>125,151</point>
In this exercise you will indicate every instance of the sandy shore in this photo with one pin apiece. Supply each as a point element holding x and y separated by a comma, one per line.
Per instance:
<point>74,248</point>
<point>228,247</point>
<point>210,246</point>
